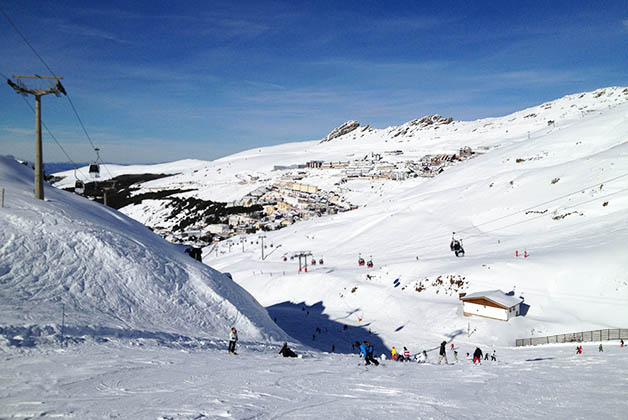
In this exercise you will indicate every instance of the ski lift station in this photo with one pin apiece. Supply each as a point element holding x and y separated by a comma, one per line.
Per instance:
<point>493,304</point>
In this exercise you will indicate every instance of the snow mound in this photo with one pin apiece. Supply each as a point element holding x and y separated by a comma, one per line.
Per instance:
<point>108,271</point>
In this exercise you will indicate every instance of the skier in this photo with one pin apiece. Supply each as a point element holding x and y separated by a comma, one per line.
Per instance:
<point>601,349</point>
<point>422,357</point>
<point>455,356</point>
<point>286,351</point>
<point>579,350</point>
<point>486,356</point>
<point>621,343</point>
<point>233,338</point>
<point>477,356</point>
<point>406,355</point>
<point>393,353</point>
<point>442,353</point>
<point>494,356</point>
<point>363,347</point>
<point>369,355</point>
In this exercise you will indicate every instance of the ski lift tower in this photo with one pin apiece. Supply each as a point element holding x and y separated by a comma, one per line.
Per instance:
<point>304,255</point>
<point>56,88</point>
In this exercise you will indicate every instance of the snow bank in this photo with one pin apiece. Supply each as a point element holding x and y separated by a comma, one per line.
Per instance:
<point>108,271</point>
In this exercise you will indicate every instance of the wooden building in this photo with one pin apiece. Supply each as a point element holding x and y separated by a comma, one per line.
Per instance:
<point>493,304</point>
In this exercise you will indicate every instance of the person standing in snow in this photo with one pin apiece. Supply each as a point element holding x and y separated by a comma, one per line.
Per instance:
<point>393,353</point>
<point>406,355</point>
<point>233,338</point>
<point>369,355</point>
<point>477,356</point>
<point>494,356</point>
<point>601,349</point>
<point>442,353</point>
<point>422,357</point>
<point>621,343</point>
<point>455,356</point>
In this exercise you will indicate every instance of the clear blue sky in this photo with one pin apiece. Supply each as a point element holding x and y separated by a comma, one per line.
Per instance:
<point>157,81</point>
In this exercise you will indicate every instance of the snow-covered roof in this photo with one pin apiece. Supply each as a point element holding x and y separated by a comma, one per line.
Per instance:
<point>497,296</point>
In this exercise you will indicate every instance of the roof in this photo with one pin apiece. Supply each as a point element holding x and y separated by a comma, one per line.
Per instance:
<point>497,296</point>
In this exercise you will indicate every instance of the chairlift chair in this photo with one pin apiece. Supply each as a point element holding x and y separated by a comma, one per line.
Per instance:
<point>94,170</point>
<point>313,262</point>
<point>369,264</point>
<point>79,187</point>
<point>320,262</point>
<point>360,261</point>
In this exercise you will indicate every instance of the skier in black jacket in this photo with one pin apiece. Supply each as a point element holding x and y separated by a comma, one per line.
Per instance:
<point>443,353</point>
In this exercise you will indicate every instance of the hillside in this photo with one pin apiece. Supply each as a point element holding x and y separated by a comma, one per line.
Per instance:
<point>111,274</point>
<point>549,180</point>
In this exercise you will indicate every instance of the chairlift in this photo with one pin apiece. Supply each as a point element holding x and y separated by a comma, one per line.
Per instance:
<point>79,186</point>
<point>456,246</point>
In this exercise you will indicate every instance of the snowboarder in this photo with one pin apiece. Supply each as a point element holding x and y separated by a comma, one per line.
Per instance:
<point>600,349</point>
<point>477,356</point>
<point>233,338</point>
<point>422,357</point>
<point>442,353</point>
<point>393,353</point>
<point>286,351</point>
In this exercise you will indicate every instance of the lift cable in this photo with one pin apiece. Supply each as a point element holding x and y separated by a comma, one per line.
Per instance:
<point>66,95</point>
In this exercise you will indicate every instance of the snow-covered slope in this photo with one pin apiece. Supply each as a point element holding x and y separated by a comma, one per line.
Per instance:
<point>109,272</point>
<point>551,180</point>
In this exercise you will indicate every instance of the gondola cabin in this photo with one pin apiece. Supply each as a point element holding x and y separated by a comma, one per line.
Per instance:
<point>79,187</point>
<point>94,170</point>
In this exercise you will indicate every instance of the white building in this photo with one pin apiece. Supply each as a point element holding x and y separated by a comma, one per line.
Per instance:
<point>493,304</point>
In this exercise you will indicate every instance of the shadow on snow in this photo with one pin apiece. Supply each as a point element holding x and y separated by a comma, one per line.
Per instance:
<point>312,328</point>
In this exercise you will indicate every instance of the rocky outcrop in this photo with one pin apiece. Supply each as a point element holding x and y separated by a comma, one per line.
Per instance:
<point>427,121</point>
<point>345,128</point>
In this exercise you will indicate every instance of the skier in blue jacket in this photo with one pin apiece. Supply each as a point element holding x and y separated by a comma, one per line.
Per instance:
<point>363,350</point>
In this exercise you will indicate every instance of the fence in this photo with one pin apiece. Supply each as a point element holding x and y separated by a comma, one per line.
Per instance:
<point>583,336</point>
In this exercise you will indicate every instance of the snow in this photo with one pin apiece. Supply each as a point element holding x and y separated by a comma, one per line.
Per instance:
<point>497,296</point>
<point>107,272</point>
<point>142,381</point>
<point>146,325</point>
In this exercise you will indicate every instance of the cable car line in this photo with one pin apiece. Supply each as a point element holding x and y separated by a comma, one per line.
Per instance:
<point>67,95</point>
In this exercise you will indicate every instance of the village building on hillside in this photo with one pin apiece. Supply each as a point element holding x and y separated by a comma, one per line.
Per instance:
<point>493,304</point>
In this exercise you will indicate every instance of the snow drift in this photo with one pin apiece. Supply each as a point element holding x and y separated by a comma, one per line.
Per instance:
<point>108,271</point>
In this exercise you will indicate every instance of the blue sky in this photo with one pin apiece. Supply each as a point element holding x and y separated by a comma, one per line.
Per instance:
<point>156,81</point>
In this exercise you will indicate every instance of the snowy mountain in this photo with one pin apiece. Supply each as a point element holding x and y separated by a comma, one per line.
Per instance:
<point>108,273</point>
<point>549,181</point>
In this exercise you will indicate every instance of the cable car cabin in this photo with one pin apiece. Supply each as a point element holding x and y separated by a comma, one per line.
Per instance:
<point>79,187</point>
<point>456,247</point>
<point>94,170</point>
<point>369,264</point>
<point>360,261</point>
<point>320,262</point>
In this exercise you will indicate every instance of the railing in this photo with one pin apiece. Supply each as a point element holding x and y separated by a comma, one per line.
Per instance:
<point>578,337</point>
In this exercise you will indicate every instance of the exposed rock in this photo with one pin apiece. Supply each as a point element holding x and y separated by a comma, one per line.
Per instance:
<point>345,128</point>
<point>429,120</point>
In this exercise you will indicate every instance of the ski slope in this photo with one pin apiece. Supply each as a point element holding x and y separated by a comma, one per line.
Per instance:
<point>69,259</point>
<point>139,381</point>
